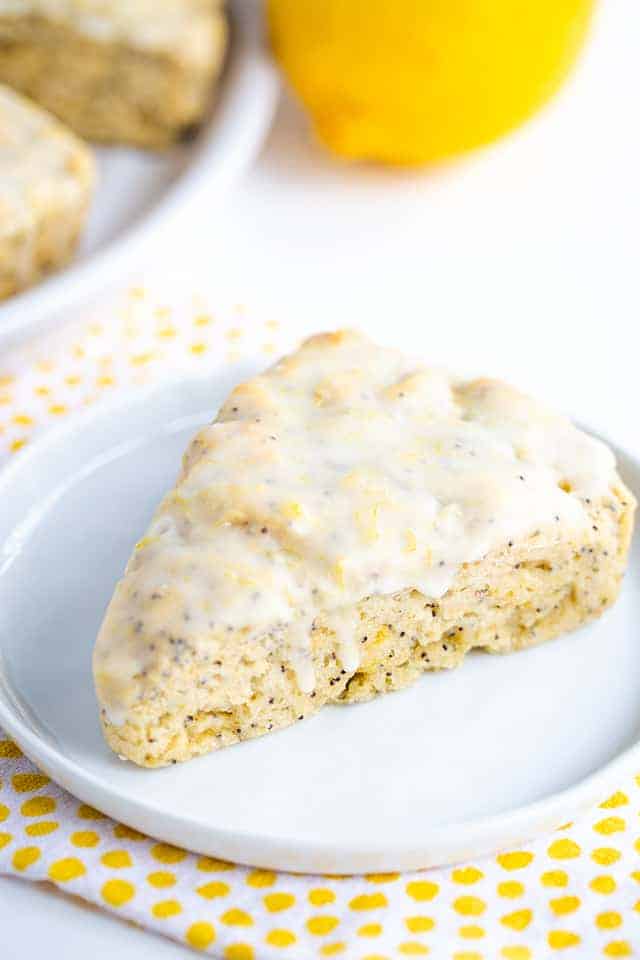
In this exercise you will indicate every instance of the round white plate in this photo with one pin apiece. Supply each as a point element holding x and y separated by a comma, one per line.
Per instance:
<point>138,192</point>
<point>460,764</point>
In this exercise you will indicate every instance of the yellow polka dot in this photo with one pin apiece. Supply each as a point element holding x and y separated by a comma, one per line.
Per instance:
<point>200,935</point>
<point>67,869</point>
<point>9,750</point>
<point>382,877</point>
<point>618,948</point>
<point>515,860</point>
<point>197,348</point>
<point>117,892</point>
<point>212,890</point>
<point>23,858</point>
<point>411,948</point>
<point>5,840</point>
<point>85,838</point>
<point>563,905</point>
<point>608,920</point>
<point>212,865</point>
<point>321,896</point>
<point>105,381</point>
<point>238,951</point>
<point>422,890</point>
<point>275,902</point>
<point>140,359</point>
<point>280,938</point>
<point>123,832</point>
<point>28,782</point>
<point>203,320</point>
<point>41,829</point>
<point>38,806</point>
<point>518,920</point>
<point>419,924</point>
<point>58,409</point>
<point>85,812</point>
<point>510,889</point>
<point>370,930</point>
<point>261,878</point>
<point>469,906</point>
<point>22,420</point>
<point>617,799</point>
<point>332,949</point>
<point>554,878</point>
<point>166,908</point>
<point>236,918</point>
<point>4,812</point>
<point>605,856</point>
<point>467,875</point>
<point>72,380</point>
<point>368,901</point>
<point>467,955</point>
<point>321,926</point>
<point>564,849</point>
<point>516,953</point>
<point>161,878</point>
<point>610,825</point>
<point>116,859</point>
<point>17,444</point>
<point>471,932</point>
<point>165,853</point>
<point>603,884</point>
<point>561,939</point>
<point>636,876</point>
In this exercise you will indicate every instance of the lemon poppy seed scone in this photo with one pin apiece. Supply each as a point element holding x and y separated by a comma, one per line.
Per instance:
<point>351,520</point>
<point>132,71</point>
<point>46,182</point>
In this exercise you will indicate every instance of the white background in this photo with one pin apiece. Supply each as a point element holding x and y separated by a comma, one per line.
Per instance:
<point>523,261</point>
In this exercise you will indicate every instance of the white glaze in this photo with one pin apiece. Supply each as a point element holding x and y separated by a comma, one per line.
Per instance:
<point>345,471</point>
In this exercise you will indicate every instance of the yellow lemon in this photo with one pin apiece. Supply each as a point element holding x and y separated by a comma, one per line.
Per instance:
<point>415,81</point>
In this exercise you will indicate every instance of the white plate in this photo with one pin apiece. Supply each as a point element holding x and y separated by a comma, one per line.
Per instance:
<point>458,765</point>
<point>138,192</point>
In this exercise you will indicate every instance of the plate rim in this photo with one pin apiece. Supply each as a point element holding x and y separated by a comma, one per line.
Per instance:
<point>436,846</point>
<point>228,146</point>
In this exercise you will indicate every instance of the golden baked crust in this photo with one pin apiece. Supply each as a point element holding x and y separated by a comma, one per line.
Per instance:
<point>46,181</point>
<point>350,521</point>
<point>139,73</point>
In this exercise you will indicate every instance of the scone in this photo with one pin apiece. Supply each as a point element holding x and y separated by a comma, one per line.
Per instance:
<point>46,181</point>
<point>350,520</point>
<point>132,71</point>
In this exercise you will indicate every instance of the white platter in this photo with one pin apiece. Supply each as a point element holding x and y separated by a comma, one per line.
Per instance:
<point>459,765</point>
<point>139,193</point>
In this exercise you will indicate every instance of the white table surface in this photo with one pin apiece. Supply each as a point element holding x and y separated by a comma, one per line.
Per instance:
<point>522,262</point>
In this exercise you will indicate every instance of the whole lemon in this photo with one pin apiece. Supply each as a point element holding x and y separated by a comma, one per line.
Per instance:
<point>415,81</point>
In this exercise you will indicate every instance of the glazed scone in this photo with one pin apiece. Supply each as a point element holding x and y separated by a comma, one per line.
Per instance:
<point>350,520</point>
<point>46,181</point>
<point>138,72</point>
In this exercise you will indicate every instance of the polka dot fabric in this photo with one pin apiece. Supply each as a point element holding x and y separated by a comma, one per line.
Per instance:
<point>573,894</point>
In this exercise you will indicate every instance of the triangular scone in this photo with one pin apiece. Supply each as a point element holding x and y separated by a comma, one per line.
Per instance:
<point>350,520</point>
